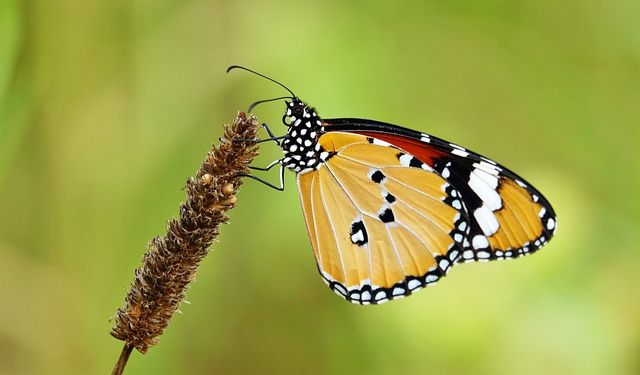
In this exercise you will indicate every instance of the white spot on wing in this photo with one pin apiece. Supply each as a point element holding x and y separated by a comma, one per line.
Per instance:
<point>483,254</point>
<point>340,289</point>
<point>380,142</point>
<point>444,264</point>
<point>366,296</point>
<point>357,237</point>
<point>488,160</point>
<point>445,173</point>
<point>542,212</point>
<point>453,255</point>
<point>480,242</point>
<point>405,160</point>
<point>430,279</point>
<point>490,179</point>
<point>413,284</point>
<point>484,185</point>
<point>489,168</point>
<point>487,220</point>
<point>459,152</point>
<point>551,224</point>
<point>456,204</point>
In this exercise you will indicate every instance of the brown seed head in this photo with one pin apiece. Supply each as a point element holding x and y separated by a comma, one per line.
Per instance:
<point>160,284</point>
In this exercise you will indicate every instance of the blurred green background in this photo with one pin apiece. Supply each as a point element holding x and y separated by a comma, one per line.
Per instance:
<point>106,107</point>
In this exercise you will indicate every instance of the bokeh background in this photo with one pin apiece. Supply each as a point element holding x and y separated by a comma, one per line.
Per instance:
<point>106,107</point>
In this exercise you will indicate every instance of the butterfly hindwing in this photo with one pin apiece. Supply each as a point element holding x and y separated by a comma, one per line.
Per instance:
<point>507,216</point>
<point>382,224</point>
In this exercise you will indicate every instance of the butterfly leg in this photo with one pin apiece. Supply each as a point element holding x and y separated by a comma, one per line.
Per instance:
<point>272,137</point>
<point>275,139</point>
<point>279,188</point>
<point>268,167</point>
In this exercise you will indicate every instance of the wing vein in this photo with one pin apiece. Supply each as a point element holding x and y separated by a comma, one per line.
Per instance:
<point>418,237</point>
<point>335,237</point>
<point>443,229</point>
<point>315,224</point>
<point>339,183</point>
<point>395,251</point>
<point>419,240</point>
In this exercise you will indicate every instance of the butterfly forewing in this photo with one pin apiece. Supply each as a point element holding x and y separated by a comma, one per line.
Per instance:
<point>508,217</point>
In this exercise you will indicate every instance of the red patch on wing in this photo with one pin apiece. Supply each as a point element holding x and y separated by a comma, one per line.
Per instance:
<point>423,151</point>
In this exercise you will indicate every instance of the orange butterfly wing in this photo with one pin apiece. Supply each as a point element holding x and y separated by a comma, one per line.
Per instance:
<point>382,224</point>
<point>508,217</point>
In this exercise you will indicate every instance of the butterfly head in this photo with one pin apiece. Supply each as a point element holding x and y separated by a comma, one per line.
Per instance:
<point>298,110</point>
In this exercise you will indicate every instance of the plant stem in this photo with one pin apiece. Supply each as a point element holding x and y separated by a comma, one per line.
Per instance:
<point>122,361</point>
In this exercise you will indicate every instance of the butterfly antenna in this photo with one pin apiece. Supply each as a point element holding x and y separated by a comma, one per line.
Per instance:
<point>261,75</point>
<point>254,104</point>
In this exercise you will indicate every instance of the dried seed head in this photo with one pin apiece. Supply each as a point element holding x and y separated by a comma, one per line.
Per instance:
<point>160,285</point>
<point>228,189</point>
<point>206,179</point>
<point>232,200</point>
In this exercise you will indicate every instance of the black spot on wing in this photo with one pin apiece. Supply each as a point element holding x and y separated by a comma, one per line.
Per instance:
<point>389,197</point>
<point>358,233</point>
<point>387,216</point>
<point>377,176</point>
<point>415,163</point>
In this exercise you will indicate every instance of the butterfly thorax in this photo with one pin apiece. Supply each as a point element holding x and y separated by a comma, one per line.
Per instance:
<point>302,152</point>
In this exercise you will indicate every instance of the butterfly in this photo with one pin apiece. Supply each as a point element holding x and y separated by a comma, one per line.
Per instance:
<point>390,210</point>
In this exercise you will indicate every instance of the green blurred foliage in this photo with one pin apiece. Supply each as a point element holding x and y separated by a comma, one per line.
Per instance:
<point>106,107</point>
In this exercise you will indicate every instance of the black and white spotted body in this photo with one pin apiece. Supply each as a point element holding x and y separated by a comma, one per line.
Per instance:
<point>302,152</point>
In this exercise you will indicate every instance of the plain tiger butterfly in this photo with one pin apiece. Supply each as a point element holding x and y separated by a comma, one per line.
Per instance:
<point>391,210</point>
